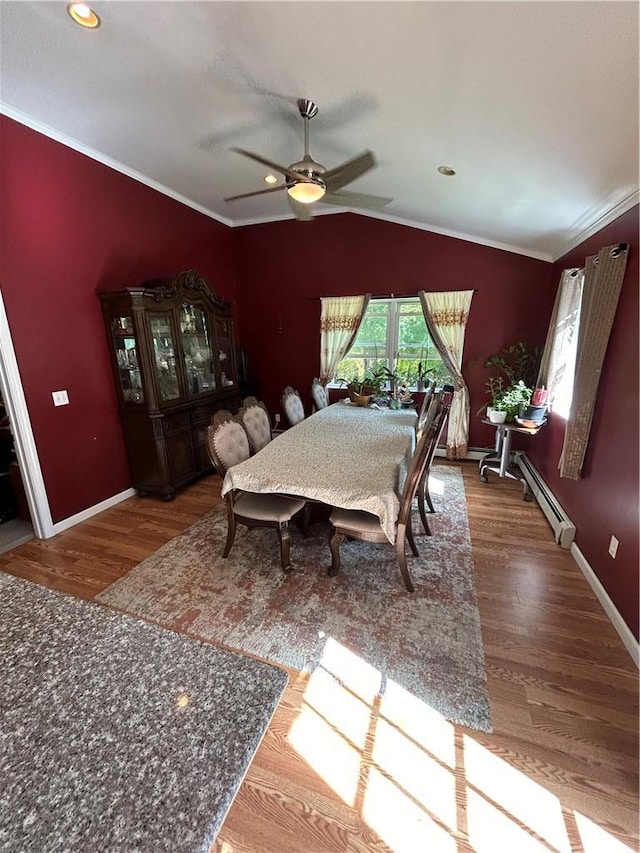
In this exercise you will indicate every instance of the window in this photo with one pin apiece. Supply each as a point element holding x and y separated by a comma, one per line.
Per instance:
<point>394,334</point>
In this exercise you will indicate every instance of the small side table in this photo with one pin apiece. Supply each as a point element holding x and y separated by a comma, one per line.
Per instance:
<point>501,456</point>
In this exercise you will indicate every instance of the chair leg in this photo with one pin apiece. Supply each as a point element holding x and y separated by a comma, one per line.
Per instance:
<point>422,489</point>
<point>306,519</point>
<point>412,541</point>
<point>285,546</point>
<point>426,493</point>
<point>231,528</point>
<point>402,557</point>
<point>335,541</point>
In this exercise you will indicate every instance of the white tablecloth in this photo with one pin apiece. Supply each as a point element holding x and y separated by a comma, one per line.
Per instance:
<point>344,455</point>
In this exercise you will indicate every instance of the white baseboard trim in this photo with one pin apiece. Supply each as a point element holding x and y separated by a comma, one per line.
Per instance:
<point>473,453</point>
<point>624,632</point>
<point>66,523</point>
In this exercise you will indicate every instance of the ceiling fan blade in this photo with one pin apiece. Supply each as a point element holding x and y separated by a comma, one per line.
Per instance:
<point>347,199</point>
<point>342,175</point>
<point>301,211</point>
<point>284,170</point>
<point>257,192</point>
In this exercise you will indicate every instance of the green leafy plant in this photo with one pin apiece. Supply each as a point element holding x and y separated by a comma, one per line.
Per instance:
<point>511,384</point>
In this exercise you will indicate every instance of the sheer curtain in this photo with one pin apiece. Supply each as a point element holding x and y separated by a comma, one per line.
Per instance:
<point>446,315</point>
<point>340,319</point>
<point>557,367</point>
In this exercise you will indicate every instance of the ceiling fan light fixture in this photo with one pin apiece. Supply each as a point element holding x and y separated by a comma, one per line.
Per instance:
<point>83,15</point>
<point>306,192</point>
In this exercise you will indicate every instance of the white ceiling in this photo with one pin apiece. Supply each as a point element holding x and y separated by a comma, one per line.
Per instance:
<point>535,104</point>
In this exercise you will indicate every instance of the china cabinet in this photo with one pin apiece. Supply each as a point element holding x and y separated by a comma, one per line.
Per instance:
<point>173,355</point>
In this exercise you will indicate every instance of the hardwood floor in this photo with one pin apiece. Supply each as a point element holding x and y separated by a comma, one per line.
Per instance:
<point>558,773</point>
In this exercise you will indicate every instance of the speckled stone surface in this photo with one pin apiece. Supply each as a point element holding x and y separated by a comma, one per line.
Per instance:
<point>116,735</point>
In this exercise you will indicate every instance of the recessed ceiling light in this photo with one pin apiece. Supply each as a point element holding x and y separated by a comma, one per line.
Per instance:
<point>270,179</point>
<point>83,15</point>
<point>446,170</point>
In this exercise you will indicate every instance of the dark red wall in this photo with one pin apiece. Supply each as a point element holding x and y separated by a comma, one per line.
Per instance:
<point>605,500</point>
<point>282,268</point>
<point>71,225</point>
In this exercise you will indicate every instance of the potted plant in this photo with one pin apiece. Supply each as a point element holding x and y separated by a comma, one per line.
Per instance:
<point>515,398</point>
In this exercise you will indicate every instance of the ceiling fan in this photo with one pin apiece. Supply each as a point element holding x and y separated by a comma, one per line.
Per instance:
<point>307,181</point>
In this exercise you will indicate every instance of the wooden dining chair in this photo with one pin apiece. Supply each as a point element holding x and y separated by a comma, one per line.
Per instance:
<point>257,423</point>
<point>319,395</point>
<point>423,486</point>
<point>424,408</point>
<point>366,527</point>
<point>292,405</point>
<point>228,445</point>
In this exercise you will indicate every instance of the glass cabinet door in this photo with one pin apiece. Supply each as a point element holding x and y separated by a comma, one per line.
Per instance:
<point>165,356</point>
<point>124,343</point>
<point>196,347</point>
<point>224,338</point>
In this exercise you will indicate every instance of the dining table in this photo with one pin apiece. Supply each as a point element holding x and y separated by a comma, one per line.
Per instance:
<point>347,456</point>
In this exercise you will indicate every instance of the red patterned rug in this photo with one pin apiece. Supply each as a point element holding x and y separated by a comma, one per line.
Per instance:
<point>428,642</point>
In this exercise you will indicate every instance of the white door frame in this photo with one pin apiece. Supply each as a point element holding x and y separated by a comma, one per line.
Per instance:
<point>24,442</point>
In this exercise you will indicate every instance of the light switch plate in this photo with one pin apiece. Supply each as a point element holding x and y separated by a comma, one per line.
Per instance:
<point>60,398</point>
<point>613,547</point>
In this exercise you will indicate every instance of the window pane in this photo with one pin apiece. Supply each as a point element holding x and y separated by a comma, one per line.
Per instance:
<point>412,340</point>
<point>372,337</point>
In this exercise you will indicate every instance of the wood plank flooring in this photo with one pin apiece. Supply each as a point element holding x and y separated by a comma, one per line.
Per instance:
<point>558,773</point>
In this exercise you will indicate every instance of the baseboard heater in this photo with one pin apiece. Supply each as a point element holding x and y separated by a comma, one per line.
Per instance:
<point>564,529</point>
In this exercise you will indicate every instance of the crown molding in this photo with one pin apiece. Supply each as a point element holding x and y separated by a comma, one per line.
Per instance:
<point>70,142</point>
<point>594,220</point>
<point>581,230</point>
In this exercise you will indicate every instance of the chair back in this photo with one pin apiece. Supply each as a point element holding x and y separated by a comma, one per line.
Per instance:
<point>255,419</point>
<point>426,402</point>
<point>319,395</point>
<point>424,450</point>
<point>227,441</point>
<point>292,405</point>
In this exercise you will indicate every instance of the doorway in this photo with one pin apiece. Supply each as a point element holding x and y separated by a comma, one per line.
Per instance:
<point>28,483</point>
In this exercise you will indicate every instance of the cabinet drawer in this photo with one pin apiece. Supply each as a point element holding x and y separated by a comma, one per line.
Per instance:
<point>176,422</point>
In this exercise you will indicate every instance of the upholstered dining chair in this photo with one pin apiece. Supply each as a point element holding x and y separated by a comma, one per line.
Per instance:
<point>228,445</point>
<point>319,395</point>
<point>292,405</point>
<point>366,527</point>
<point>255,419</point>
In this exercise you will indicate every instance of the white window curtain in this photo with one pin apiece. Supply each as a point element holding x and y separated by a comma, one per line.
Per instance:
<point>446,315</point>
<point>340,320</point>
<point>557,366</point>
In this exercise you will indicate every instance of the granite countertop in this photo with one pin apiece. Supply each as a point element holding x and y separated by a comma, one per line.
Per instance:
<point>117,735</point>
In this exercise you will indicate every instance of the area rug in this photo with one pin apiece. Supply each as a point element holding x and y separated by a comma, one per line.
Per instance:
<point>428,642</point>
<point>117,734</point>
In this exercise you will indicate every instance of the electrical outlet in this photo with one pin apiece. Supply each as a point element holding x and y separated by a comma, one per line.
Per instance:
<point>60,398</point>
<point>613,547</point>
<point>277,419</point>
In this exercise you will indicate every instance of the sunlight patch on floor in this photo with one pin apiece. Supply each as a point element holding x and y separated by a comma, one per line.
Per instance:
<point>419,783</point>
<point>436,486</point>
<point>416,773</point>
<point>525,800</point>
<point>402,824</point>
<point>330,754</point>
<point>595,839</point>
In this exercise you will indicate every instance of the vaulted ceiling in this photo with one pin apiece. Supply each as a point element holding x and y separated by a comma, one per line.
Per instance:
<point>533,104</point>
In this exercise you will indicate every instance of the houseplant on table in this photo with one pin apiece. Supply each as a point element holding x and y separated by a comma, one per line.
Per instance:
<point>511,386</point>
